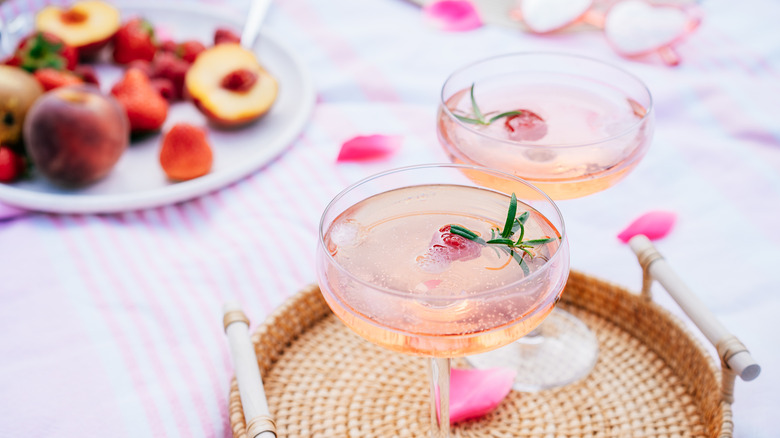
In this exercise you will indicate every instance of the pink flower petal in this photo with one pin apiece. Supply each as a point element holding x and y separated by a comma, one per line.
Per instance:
<point>9,211</point>
<point>453,15</point>
<point>475,392</point>
<point>654,225</point>
<point>371,147</point>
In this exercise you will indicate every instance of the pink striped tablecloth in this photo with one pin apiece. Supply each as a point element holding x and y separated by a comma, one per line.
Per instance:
<point>110,324</point>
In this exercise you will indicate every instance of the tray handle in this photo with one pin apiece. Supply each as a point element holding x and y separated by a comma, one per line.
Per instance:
<point>734,356</point>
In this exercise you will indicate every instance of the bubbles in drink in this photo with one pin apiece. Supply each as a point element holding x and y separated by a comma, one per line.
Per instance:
<point>398,264</point>
<point>433,261</point>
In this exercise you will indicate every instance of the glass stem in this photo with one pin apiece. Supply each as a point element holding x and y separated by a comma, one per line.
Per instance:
<point>439,372</point>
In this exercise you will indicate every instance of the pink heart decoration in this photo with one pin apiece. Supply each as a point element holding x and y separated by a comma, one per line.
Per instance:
<point>635,27</point>
<point>475,392</point>
<point>367,148</point>
<point>453,15</point>
<point>543,16</point>
<point>654,225</point>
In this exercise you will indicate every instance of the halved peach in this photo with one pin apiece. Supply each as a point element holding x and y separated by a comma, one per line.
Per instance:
<point>229,86</point>
<point>88,25</point>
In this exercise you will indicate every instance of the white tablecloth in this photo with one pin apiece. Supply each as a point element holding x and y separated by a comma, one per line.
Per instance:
<point>110,324</point>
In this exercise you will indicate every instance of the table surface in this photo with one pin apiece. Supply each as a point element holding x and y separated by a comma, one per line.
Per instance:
<point>112,322</point>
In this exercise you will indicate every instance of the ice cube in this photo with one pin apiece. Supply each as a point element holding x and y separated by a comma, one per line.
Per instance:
<point>346,233</point>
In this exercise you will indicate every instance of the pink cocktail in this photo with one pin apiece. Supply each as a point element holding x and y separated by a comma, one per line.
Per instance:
<point>571,125</point>
<point>423,260</point>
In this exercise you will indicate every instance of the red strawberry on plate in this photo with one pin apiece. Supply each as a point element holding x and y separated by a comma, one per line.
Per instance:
<point>185,152</point>
<point>50,78</point>
<point>43,50</point>
<point>146,108</point>
<point>225,35</point>
<point>169,66</point>
<point>168,46</point>
<point>189,50</point>
<point>445,248</point>
<point>165,88</point>
<point>133,41</point>
<point>87,73</point>
<point>11,165</point>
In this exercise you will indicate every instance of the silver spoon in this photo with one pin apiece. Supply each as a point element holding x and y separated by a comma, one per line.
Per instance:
<point>258,9</point>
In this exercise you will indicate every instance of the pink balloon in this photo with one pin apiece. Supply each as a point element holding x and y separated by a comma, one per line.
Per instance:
<point>654,225</point>
<point>367,148</point>
<point>453,15</point>
<point>475,392</point>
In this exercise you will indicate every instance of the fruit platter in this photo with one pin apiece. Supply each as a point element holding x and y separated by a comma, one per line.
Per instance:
<point>113,108</point>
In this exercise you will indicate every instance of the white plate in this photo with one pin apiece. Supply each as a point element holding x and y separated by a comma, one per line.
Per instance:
<point>138,181</point>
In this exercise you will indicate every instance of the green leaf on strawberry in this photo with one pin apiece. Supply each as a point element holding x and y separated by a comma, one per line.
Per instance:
<point>41,50</point>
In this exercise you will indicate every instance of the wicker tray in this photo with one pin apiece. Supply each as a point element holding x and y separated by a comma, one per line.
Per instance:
<point>652,379</point>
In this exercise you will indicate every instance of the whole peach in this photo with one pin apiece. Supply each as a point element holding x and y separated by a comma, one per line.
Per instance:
<point>75,135</point>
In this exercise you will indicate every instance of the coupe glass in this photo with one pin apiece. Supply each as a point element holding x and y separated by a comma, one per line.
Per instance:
<point>572,126</point>
<point>388,268</point>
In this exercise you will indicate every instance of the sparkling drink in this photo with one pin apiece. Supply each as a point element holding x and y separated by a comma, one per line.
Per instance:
<point>581,130</point>
<point>425,260</point>
<point>438,308</point>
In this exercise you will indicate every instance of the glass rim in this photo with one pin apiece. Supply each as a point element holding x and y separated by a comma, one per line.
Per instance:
<point>494,291</point>
<point>563,55</point>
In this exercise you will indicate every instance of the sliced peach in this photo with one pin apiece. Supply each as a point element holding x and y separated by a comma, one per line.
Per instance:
<point>229,86</point>
<point>88,25</point>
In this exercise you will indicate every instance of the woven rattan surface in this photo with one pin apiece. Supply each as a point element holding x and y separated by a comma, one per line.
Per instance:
<point>652,379</point>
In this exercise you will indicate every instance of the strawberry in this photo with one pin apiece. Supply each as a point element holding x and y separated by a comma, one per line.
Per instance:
<point>134,40</point>
<point>525,126</point>
<point>87,74</point>
<point>225,35</point>
<point>189,50</point>
<point>445,248</point>
<point>168,46</point>
<point>169,66</point>
<point>50,78</point>
<point>12,165</point>
<point>144,66</point>
<point>43,50</point>
<point>185,152</point>
<point>165,88</point>
<point>145,108</point>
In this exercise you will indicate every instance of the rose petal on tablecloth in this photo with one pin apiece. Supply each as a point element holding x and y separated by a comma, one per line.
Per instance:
<point>369,147</point>
<point>475,392</point>
<point>453,15</point>
<point>653,224</point>
<point>10,212</point>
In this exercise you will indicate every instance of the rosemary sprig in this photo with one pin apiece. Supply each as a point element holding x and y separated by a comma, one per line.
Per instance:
<point>504,239</point>
<point>479,118</point>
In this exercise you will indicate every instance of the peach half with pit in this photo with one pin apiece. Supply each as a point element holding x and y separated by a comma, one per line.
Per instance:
<point>229,86</point>
<point>87,25</point>
<point>74,135</point>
